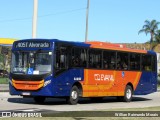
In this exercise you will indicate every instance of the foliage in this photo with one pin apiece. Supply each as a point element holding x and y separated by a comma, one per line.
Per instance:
<point>5,57</point>
<point>150,27</point>
<point>1,58</point>
<point>4,80</point>
<point>157,36</point>
<point>1,61</point>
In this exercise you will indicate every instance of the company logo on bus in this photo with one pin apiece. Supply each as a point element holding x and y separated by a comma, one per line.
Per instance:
<point>103,77</point>
<point>123,74</point>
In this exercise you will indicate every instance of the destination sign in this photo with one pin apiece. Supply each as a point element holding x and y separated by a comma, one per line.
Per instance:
<point>32,44</point>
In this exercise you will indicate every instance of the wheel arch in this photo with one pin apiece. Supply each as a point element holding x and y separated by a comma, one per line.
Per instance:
<point>78,84</point>
<point>130,84</point>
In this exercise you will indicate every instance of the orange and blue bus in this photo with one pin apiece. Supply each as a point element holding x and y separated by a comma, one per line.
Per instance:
<point>42,68</point>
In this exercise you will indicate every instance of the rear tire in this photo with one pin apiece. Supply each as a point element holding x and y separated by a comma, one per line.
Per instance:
<point>127,95</point>
<point>74,96</point>
<point>39,99</point>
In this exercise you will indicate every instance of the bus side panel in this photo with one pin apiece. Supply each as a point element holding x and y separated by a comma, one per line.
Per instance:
<point>98,83</point>
<point>108,82</point>
<point>65,81</point>
<point>147,84</point>
<point>127,77</point>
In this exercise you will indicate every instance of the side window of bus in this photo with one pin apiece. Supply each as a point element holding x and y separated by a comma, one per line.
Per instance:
<point>61,59</point>
<point>95,58</point>
<point>109,60</point>
<point>122,61</point>
<point>79,57</point>
<point>134,61</point>
<point>154,61</point>
<point>146,62</point>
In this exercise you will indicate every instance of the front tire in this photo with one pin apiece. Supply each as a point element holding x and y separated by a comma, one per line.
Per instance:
<point>74,96</point>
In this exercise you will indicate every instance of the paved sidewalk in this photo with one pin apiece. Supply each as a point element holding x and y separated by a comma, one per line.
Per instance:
<point>4,87</point>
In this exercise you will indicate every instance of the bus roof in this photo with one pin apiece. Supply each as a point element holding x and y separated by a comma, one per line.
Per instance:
<point>81,44</point>
<point>111,46</point>
<point>94,44</point>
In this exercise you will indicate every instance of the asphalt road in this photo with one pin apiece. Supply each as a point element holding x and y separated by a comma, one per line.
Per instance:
<point>17,103</point>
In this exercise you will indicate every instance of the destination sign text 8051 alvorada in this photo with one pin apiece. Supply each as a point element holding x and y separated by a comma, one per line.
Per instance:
<point>32,44</point>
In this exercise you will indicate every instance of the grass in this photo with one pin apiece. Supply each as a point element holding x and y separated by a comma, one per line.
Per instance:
<point>4,80</point>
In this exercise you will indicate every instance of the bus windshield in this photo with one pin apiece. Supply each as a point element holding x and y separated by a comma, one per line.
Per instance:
<point>29,62</point>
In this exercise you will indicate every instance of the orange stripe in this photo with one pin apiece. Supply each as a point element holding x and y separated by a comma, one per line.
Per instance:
<point>136,80</point>
<point>103,94</point>
<point>27,82</point>
<point>86,76</point>
<point>28,85</point>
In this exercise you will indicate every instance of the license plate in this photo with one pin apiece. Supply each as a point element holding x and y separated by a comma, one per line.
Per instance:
<point>26,93</point>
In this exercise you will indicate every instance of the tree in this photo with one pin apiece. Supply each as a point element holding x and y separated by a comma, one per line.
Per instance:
<point>157,36</point>
<point>150,27</point>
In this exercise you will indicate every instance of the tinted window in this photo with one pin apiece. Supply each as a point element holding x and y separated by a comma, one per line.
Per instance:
<point>134,61</point>
<point>61,59</point>
<point>109,60</point>
<point>95,58</point>
<point>79,57</point>
<point>154,63</point>
<point>146,62</point>
<point>122,61</point>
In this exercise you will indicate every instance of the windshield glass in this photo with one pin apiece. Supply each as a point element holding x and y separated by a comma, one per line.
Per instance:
<point>33,63</point>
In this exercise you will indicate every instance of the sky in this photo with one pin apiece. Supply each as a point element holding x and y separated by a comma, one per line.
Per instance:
<point>115,21</point>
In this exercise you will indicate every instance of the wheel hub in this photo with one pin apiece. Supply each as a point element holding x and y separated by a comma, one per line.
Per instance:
<point>128,94</point>
<point>74,95</point>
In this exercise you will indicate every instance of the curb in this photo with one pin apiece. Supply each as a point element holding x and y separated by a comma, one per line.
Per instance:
<point>4,87</point>
<point>4,91</point>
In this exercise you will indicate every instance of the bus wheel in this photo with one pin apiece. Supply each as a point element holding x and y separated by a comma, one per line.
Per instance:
<point>39,99</point>
<point>74,96</point>
<point>128,94</point>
